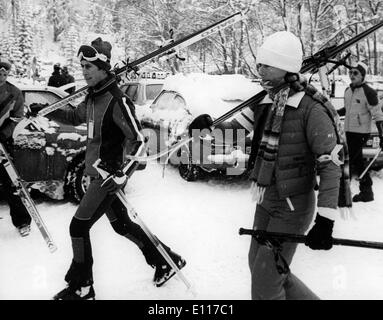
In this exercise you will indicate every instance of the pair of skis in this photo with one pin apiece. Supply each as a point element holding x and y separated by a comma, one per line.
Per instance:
<point>310,64</point>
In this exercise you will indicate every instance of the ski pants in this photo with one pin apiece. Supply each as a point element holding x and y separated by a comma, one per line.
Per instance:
<point>355,143</point>
<point>275,215</point>
<point>94,204</point>
<point>19,214</point>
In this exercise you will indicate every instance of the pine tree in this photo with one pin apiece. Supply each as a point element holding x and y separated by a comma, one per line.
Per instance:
<point>24,43</point>
<point>71,45</point>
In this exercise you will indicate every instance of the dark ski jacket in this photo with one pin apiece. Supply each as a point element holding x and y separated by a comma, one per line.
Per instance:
<point>69,79</point>
<point>307,132</point>
<point>56,79</point>
<point>11,108</point>
<point>113,129</point>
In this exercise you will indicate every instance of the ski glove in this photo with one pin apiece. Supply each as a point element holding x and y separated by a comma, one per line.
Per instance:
<point>320,235</point>
<point>379,125</point>
<point>203,121</point>
<point>115,182</point>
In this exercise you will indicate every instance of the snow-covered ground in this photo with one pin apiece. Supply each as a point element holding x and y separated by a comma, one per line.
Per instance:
<point>199,220</point>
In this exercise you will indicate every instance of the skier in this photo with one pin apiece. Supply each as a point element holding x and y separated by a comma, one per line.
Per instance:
<point>11,110</point>
<point>56,79</point>
<point>294,139</point>
<point>361,106</point>
<point>113,131</point>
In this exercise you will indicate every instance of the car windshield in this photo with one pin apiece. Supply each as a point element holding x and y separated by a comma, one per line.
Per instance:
<point>43,97</point>
<point>152,91</point>
<point>170,101</point>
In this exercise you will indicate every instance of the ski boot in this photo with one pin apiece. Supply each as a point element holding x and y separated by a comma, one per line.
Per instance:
<point>164,271</point>
<point>80,283</point>
<point>24,230</point>
<point>363,197</point>
<point>365,187</point>
<point>71,293</point>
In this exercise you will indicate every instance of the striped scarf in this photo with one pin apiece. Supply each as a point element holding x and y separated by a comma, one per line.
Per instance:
<point>268,148</point>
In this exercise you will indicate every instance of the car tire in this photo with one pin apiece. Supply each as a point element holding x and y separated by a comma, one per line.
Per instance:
<point>190,172</point>
<point>76,182</point>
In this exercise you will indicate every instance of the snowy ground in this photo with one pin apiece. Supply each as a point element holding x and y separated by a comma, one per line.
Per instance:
<point>199,220</point>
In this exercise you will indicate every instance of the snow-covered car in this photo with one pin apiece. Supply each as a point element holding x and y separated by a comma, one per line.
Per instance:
<point>183,98</point>
<point>51,161</point>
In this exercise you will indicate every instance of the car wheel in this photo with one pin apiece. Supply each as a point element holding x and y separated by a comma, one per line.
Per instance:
<point>77,183</point>
<point>190,172</point>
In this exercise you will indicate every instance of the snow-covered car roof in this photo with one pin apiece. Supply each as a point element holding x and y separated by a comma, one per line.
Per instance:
<point>144,81</point>
<point>213,94</point>
<point>58,91</point>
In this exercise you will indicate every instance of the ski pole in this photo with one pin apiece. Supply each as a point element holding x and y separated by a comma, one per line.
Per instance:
<point>150,235</point>
<point>263,235</point>
<point>370,164</point>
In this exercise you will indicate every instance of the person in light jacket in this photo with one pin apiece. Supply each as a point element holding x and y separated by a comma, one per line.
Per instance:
<point>361,109</point>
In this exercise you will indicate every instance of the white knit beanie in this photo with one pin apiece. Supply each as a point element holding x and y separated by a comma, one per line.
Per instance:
<point>281,50</point>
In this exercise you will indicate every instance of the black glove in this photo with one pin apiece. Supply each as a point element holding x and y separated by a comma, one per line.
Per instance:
<point>320,235</point>
<point>34,108</point>
<point>379,125</point>
<point>115,182</point>
<point>203,121</point>
<point>341,112</point>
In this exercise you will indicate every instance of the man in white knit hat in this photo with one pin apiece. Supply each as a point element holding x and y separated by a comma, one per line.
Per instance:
<point>295,138</point>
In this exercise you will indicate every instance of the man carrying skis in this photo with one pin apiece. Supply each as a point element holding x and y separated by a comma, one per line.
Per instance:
<point>295,138</point>
<point>113,132</point>
<point>11,110</point>
<point>361,106</point>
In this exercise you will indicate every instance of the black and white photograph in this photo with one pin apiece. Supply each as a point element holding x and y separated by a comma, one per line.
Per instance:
<point>191,150</point>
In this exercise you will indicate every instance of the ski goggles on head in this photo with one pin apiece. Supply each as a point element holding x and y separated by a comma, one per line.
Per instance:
<point>354,73</point>
<point>89,53</point>
<point>4,68</point>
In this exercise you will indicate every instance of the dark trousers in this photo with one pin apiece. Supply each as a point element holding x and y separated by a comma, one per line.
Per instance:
<point>95,203</point>
<point>355,143</point>
<point>275,215</point>
<point>19,214</point>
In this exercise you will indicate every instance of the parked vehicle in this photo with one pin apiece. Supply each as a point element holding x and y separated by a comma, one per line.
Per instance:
<point>51,161</point>
<point>143,90</point>
<point>183,98</point>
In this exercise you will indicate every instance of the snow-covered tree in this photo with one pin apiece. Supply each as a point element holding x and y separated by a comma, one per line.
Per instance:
<point>24,42</point>
<point>71,44</point>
